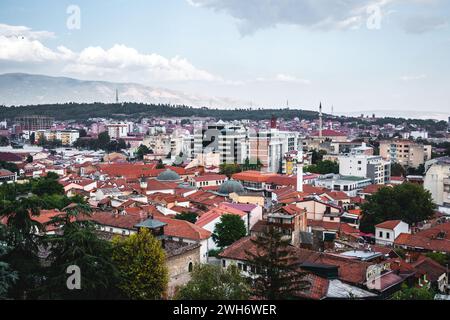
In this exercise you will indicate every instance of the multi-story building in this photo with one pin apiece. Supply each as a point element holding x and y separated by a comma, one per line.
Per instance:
<point>405,152</point>
<point>67,137</point>
<point>270,147</point>
<point>118,130</point>
<point>437,180</point>
<point>359,164</point>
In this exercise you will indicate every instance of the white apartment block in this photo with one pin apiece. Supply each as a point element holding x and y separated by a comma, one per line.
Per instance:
<point>358,164</point>
<point>118,130</point>
<point>437,180</point>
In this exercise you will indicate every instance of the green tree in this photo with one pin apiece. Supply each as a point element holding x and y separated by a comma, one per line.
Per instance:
<point>47,185</point>
<point>408,202</point>
<point>188,216</point>
<point>277,277</point>
<point>142,151</point>
<point>229,169</point>
<point>323,167</point>
<point>22,239</point>
<point>413,293</point>
<point>103,140</point>
<point>9,166</point>
<point>78,244</point>
<point>441,258</point>
<point>211,282</point>
<point>397,170</point>
<point>29,158</point>
<point>160,165</point>
<point>230,229</point>
<point>7,276</point>
<point>142,263</point>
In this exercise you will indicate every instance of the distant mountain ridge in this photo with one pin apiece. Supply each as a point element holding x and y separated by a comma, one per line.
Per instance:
<point>30,89</point>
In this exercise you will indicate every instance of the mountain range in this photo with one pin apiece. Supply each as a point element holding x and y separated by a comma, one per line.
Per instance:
<point>18,89</point>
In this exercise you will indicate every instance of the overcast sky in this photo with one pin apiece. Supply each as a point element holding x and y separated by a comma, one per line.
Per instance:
<point>354,54</point>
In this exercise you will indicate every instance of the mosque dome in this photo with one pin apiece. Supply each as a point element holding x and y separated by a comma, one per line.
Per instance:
<point>168,175</point>
<point>230,186</point>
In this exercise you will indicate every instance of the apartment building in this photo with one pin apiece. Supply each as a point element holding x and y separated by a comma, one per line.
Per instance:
<point>67,137</point>
<point>437,180</point>
<point>405,152</point>
<point>359,164</point>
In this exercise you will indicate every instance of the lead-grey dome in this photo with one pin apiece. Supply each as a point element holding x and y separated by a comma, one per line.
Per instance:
<point>168,175</point>
<point>230,186</point>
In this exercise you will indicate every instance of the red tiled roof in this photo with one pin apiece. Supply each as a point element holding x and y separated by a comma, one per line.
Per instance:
<point>215,213</point>
<point>184,229</point>
<point>337,195</point>
<point>431,268</point>
<point>349,270</point>
<point>113,220</point>
<point>427,239</point>
<point>254,176</point>
<point>390,224</point>
<point>373,188</point>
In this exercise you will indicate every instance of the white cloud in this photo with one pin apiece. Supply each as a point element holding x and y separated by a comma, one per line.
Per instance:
<point>23,32</point>
<point>252,15</point>
<point>96,61</point>
<point>25,50</point>
<point>315,14</point>
<point>281,77</point>
<point>288,78</point>
<point>413,77</point>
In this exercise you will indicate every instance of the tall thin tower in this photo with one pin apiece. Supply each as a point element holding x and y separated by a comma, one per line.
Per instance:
<point>320,120</point>
<point>300,170</point>
<point>117,96</point>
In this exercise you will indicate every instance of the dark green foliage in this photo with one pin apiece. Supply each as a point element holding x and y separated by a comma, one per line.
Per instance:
<point>142,151</point>
<point>160,165</point>
<point>211,282</point>
<point>323,167</point>
<point>397,170</point>
<point>9,166</point>
<point>277,276</point>
<point>414,293</point>
<point>229,169</point>
<point>75,111</point>
<point>408,202</point>
<point>230,229</point>
<point>188,216</point>
<point>441,258</point>
<point>79,245</point>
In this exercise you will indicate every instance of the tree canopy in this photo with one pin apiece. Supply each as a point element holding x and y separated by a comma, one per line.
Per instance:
<point>211,282</point>
<point>277,277</point>
<point>408,202</point>
<point>141,263</point>
<point>230,229</point>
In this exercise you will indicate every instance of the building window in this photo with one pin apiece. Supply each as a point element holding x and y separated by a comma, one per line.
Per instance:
<point>223,263</point>
<point>388,235</point>
<point>381,234</point>
<point>190,267</point>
